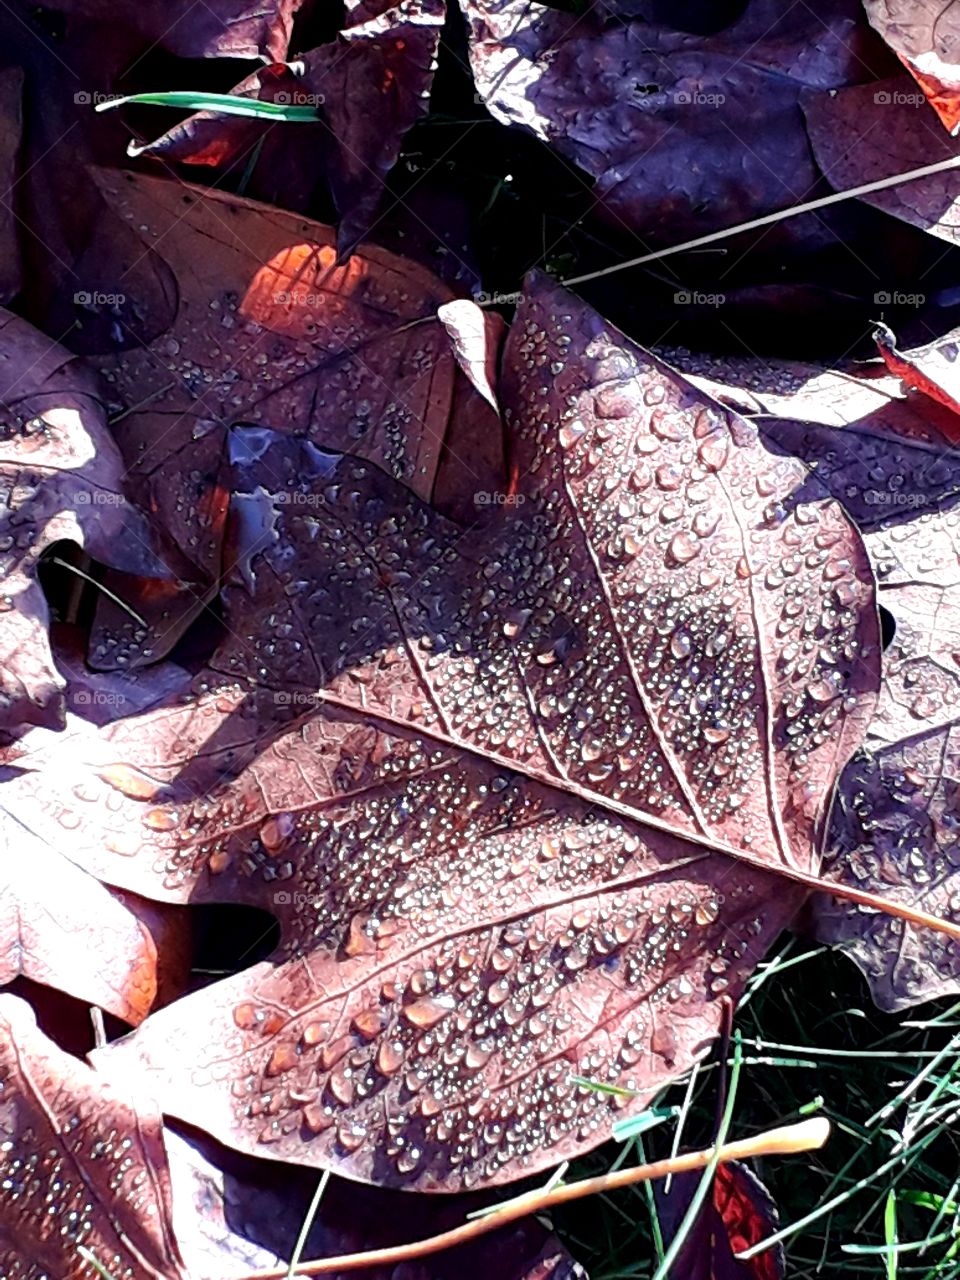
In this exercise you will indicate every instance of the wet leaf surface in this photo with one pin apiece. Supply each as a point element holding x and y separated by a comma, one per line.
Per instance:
<point>568,711</point>
<point>893,823</point>
<point>82,1165</point>
<point>269,329</point>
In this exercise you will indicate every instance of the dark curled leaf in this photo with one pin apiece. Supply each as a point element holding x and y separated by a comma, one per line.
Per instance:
<point>925,36</point>
<point>739,1213</point>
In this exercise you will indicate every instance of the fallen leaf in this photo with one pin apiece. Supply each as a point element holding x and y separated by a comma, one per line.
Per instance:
<point>682,133</point>
<point>82,1166</point>
<point>234,1214</point>
<point>11,126</point>
<point>738,1213</point>
<point>866,397</point>
<point>214,29</point>
<point>491,832</point>
<point>61,927</point>
<point>370,86</point>
<point>866,132</point>
<point>925,36</point>
<point>269,329</point>
<point>63,480</point>
<point>894,825</point>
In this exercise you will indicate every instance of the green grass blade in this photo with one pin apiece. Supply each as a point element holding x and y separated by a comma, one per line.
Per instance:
<point>224,104</point>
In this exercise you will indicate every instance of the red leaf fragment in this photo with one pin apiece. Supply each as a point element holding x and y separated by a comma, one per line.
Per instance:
<point>933,370</point>
<point>871,131</point>
<point>739,1213</point>
<point>925,36</point>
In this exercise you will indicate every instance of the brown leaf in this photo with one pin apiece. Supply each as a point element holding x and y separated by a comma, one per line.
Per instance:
<point>894,826</point>
<point>64,481</point>
<point>682,133</point>
<point>871,131</point>
<point>370,86</point>
<point>270,329</point>
<point>925,36</point>
<point>81,1165</point>
<point>234,1214</point>
<point>491,834</point>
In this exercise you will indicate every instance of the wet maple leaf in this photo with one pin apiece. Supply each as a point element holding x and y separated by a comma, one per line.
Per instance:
<point>870,131</point>
<point>370,85</point>
<point>925,36</point>
<point>81,1165</point>
<point>682,133</point>
<point>269,329</point>
<point>485,779</point>
<point>63,480</point>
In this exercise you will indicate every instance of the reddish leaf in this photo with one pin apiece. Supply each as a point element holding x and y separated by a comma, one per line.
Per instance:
<point>925,36</point>
<point>63,479</point>
<point>80,1165</point>
<point>738,1214</point>
<point>488,836</point>
<point>682,133</point>
<point>269,329</point>
<point>932,370</point>
<point>872,131</point>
